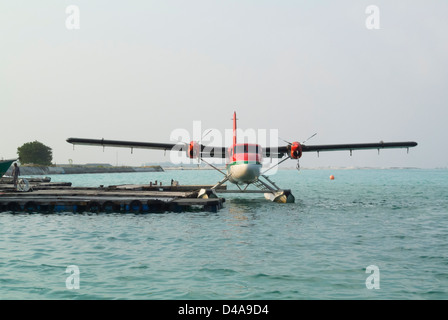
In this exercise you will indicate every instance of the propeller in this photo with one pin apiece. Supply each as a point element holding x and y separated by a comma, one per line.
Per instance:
<point>309,138</point>
<point>297,152</point>
<point>187,144</point>
<point>290,143</point>
<point>203,136</point>
<point>285,141</point>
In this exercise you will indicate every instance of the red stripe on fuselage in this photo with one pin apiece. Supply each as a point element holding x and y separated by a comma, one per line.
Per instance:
<point>245,152</point>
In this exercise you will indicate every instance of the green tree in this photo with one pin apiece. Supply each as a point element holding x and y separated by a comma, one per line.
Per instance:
<point>35,153</point>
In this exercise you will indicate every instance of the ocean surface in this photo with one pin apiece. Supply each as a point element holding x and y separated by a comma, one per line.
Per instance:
<point>367,234</point>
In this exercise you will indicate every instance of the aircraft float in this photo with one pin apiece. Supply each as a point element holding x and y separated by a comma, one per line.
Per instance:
<point>244,160</point>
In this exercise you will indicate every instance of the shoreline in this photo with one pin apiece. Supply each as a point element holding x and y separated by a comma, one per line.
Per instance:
<point>29,170</point>
<point>80,169</point>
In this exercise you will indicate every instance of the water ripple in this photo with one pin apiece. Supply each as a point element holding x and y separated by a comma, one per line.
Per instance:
<point>316,248</point>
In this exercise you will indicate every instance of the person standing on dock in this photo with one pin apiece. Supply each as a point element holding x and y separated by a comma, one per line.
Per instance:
<point>15,174</point>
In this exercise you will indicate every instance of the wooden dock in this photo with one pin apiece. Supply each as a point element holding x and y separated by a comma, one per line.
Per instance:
<point>52,197</point>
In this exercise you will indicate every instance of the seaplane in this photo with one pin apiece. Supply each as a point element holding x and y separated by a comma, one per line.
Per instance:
<point>244,161</point>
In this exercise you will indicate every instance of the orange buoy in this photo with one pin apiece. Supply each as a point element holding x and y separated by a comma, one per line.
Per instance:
<point>332,177</point>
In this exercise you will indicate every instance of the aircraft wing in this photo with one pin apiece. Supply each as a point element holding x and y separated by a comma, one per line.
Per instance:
<point>121,144</point>
<point>285,150</point>
<point>358,146</point>
<point>220,152</point>
<point>206,151</point>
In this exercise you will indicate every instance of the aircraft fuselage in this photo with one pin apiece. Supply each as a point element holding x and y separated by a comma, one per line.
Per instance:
<point>244,162</point>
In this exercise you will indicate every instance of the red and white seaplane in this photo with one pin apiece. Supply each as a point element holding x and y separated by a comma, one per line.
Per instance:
<point>244,160</point>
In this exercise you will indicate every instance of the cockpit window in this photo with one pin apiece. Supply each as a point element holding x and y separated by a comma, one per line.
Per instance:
<point>238,149</point>
<point>246,149</point>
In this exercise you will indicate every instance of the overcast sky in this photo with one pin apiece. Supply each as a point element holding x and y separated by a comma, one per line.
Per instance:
<point>137,70</point>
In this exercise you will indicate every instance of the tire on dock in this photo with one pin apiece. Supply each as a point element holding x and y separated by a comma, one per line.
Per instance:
<point>135,206</point>
<point>94,206</point>
<point>111,207</point>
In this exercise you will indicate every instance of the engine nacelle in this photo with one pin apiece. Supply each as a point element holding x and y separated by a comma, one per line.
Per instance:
<point>295,150</point>
<point>194,150</point>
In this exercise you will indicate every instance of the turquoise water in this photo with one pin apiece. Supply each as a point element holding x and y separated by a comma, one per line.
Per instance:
<point>317,248</point>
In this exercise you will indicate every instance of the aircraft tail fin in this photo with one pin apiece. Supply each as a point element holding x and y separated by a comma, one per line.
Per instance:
<point>234,128</point>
